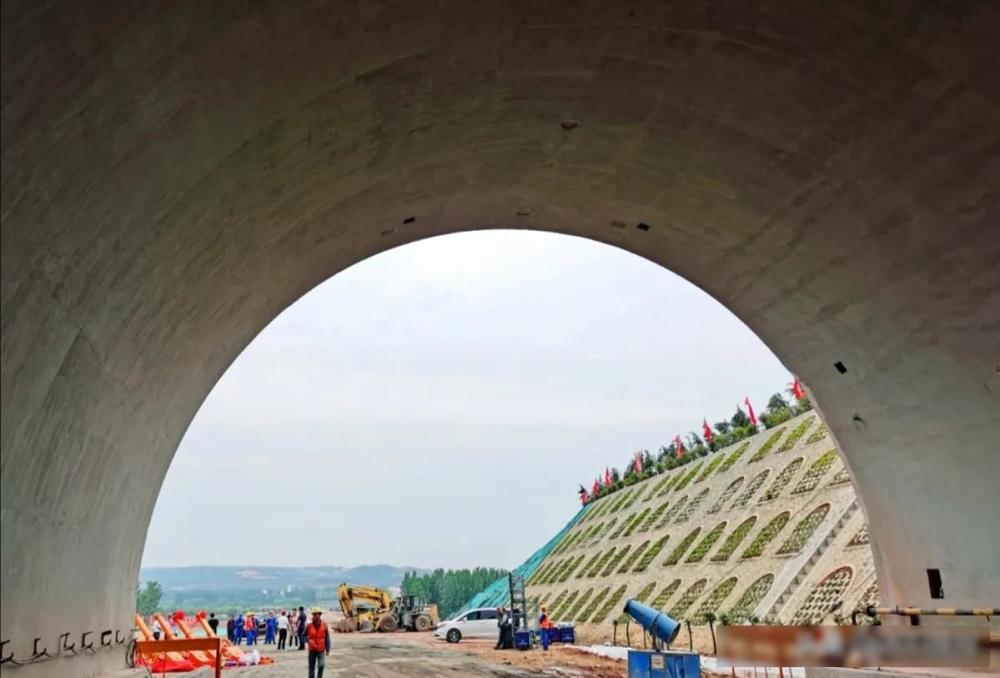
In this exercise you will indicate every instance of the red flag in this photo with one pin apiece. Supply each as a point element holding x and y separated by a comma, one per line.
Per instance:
<point>678,446</point>
<point>706,430</point>
<point>638,462</point>
<point>584,497</point>
<point>596,488</point>
<point>797,389</point>
<point>607,477</point>
<point>753,417</point>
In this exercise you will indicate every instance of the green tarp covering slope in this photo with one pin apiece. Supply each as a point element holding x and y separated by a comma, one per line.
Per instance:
<point>498,593</point>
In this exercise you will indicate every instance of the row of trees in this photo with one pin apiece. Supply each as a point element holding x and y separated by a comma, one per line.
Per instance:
<point>725,433</point>
<point>450,589</point>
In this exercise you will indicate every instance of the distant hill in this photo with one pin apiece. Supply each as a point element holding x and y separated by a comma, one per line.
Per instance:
<point>241,577</point>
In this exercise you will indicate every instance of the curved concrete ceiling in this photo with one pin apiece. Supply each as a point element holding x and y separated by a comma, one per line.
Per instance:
<point>174,176</point>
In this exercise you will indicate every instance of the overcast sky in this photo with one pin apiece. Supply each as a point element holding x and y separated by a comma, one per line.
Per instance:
<point>439,404</point>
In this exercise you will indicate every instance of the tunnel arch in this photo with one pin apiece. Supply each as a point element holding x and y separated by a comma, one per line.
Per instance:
<point>172,178</point>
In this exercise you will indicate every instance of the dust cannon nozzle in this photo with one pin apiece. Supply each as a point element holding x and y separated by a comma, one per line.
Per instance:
<point>656,623</point>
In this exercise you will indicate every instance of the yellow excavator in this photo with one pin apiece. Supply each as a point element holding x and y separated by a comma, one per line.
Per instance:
<point>367,608</point>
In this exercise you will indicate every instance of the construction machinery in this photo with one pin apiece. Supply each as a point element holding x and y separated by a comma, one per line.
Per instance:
<point>367,608</point>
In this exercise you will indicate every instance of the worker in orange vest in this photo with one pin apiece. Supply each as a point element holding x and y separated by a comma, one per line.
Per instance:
<point>544,624</point>
<point>318,638</point>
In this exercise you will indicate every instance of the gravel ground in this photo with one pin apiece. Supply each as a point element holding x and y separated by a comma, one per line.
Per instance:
<point>418,654</point>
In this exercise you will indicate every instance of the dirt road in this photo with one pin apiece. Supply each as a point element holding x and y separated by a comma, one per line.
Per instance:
<point>413,654</point>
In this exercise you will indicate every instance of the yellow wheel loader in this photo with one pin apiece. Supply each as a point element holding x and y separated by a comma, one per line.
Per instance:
<point>367,608</point>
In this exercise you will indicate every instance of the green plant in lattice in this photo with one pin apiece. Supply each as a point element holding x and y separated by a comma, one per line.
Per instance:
<point>580,602</point>
<point>543,573</point>
<point>566,605</point>
<point>712,465</point>
<point>557,574</point>
<point>635,523</point>
<point>653,517</point>
<point>706,543</point>
<point>684,602</point>
<point>726,495</point>
<point>733,540</point>
<point>817,605</point>
<point>797,432</point>
<point>692,506</point>
<point>590,564</point>
<point>842,478</point>
<point>613,563</point>
<point>592,572</point>
<point>766,447</point>
<point>682,547</point>
<point>608,605</point>
<point>734,457</point>
<point>633,498</point>
<point>817,435</point>
<point>816,472</point>
<point>714,600</point>
<point>571,569</point>
<point>679,506</point>
<point>766,536</point>
<point>752,488</point>
<point>559,599</point>
<point>688,477</point>
<point>592,605</point>
<point>621,527</point>
<point>607,528</point>
<point>804,530</point>
<point>630,561</point>
<point>663,596</point>
<point>780,481</point>
<point>651,553</point>
<point>668,483</point>
<point>641,597</point>
<point>751,598</point>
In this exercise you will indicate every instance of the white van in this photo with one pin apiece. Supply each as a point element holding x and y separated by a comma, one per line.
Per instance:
<point>478,623</point>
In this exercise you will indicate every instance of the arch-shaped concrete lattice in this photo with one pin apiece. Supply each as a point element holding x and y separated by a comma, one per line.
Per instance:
<point>630,561</point>
<point>751,597</point>
<point>713,601</point>
<point>767,535</point>
<point>654,517</point>
<point>804,529</point>
<point>609,604</point>
<point>734,456</point>
<point>816,471</point>
<point>706,543</point>
<point>781,481</point>
<point>751,489</point>
<point>689,596</point>
<point>733,541</point>
<point>681,547</point>
<point>693,505</point>
<point>665,593</point>
<point>726,495</point>
<point>766,446</point>
<point>679,506</point>
<point>819,604</point>
<point>792,439</point>
<point>651,553</point>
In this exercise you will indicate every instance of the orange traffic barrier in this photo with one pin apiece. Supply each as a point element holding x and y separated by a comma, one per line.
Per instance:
<point>163,651</point>
<point>147,636</point>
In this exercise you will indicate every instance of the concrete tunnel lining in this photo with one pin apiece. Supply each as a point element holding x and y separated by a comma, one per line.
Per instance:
<point>174,177</point>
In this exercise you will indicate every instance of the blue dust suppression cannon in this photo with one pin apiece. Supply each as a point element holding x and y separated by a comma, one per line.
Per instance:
<point>657,663</point>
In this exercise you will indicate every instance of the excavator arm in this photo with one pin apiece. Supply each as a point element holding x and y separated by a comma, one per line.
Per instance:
<point>347,594</point>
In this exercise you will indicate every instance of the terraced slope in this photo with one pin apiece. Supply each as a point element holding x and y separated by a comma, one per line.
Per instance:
<point>769,527</point>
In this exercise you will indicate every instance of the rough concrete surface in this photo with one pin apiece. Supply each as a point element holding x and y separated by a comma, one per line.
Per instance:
<point>174,175</point>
